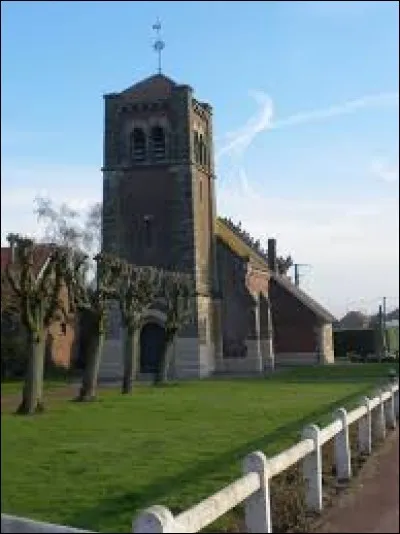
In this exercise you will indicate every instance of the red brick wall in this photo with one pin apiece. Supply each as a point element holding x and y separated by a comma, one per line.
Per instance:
<point>62,338</point>
<point>239,282</point>
<point>236,301</point>
<point>293,323</point>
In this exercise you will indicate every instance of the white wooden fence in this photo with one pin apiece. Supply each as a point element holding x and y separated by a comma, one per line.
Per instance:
<point>374,416</point>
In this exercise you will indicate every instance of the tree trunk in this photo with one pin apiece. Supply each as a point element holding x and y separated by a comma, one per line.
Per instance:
<point>131,357</point>
<point>91,371</point>
<point>32,393</point>
<point>161,377</point>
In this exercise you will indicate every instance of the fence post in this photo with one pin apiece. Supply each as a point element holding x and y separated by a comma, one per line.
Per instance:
<point>378,421</point>
<point>342,447</point>
<point>312,469</point>
<point>390,415</point>
<point>258,506</point>
<point>154,519</point>
<point>364,429</point>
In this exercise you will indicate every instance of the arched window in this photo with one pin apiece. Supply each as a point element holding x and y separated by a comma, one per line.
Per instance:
<point>158,142</point>
<point>138,145</point>
<point>196,147</point>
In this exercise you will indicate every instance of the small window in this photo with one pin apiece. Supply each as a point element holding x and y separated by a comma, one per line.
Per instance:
<point>201,190</point>
<point>64,329</point>
<point>201,150</point>
<point>148,231</point>
<point>196,148</point>
<point>158,143</point>
<point>138,145</point>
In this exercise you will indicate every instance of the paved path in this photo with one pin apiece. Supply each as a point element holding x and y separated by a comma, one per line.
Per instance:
<point>372,505</point>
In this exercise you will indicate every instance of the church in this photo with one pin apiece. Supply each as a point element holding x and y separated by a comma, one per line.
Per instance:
<point>159,209</point>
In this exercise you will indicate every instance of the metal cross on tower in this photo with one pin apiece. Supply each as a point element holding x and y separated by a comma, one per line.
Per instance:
<point>159,45</point>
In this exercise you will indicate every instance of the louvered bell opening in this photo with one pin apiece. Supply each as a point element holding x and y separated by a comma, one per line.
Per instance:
<point>138,145</point>
<point>158,143</point>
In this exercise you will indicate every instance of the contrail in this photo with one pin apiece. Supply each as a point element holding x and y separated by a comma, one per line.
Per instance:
<point>350,106</point>
<point>242,138</point>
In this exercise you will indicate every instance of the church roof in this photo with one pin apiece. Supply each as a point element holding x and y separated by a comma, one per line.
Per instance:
<point>239,247</point>
<point>41,253</point>
<point>285,283</point>
<point>156,87</point>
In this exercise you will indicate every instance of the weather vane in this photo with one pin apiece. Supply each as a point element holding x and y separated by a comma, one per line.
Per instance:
<point>159,45</point>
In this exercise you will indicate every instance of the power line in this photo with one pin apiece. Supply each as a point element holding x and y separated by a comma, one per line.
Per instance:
<point>297,272</point>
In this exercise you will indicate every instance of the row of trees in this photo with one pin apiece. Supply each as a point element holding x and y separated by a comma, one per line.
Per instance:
<point>61,292</point>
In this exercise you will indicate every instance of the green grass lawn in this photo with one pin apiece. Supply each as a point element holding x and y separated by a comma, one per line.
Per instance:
<point>14,387</point>
<point>95,465</point>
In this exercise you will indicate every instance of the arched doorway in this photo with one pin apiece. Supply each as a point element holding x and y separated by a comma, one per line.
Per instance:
<point>152,343</point>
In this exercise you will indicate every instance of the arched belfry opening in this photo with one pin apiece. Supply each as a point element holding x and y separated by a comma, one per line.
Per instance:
<point>138,145</point>
<point>158,143</point>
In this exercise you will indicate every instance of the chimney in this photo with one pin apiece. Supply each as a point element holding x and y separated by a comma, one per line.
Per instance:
<point>11,240</point>
<point>271,254</point>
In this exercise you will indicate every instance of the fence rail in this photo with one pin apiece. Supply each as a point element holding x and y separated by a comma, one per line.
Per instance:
<point>374,416</point>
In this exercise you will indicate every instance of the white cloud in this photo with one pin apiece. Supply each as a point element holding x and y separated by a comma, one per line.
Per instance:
<point>387,172</point>
<point>77,186</point>
<point>351,246</point>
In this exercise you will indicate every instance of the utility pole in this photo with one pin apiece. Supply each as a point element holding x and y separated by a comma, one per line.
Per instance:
<point>297,272</point>
<point>380,334</point>
<point>384,326</point>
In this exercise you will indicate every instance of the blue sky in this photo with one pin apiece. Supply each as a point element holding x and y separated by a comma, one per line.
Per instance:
<point>306,120</point>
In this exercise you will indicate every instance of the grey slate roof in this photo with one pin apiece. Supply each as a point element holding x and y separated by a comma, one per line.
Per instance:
<point>305,299</point>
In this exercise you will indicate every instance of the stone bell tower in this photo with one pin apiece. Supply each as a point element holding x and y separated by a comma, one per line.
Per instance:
<point>159,199</point>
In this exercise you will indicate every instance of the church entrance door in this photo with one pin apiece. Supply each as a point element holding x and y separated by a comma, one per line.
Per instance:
<point>152,344</point>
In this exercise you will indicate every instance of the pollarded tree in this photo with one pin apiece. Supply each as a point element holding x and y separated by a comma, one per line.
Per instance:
<point>137,289</point>
<point>178,293</point>
<point>39,304</point>
<point>93,301</point>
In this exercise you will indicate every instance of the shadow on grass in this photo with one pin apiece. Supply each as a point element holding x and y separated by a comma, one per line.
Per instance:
<point>132,502</point>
